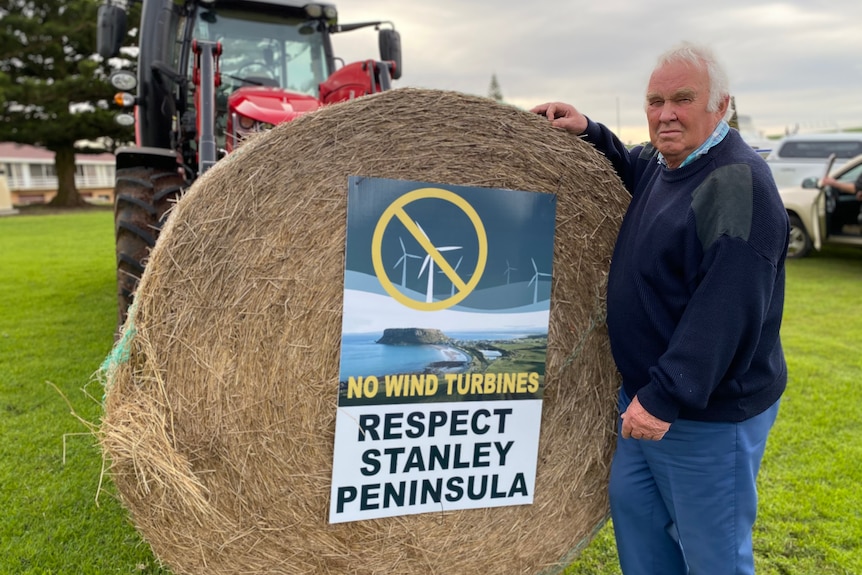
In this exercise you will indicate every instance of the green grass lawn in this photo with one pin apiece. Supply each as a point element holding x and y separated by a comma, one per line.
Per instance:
<point>57,316</point>
<point>810,519</point>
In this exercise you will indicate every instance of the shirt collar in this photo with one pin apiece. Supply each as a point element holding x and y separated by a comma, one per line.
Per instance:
<point>717,136</point>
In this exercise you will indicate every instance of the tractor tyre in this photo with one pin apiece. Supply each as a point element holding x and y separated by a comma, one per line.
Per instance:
<point>143,199</point>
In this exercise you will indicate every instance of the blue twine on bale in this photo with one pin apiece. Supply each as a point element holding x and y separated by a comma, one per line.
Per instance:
<point>121,352</point>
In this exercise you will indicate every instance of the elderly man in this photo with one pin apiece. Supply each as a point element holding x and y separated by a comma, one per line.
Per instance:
<point>695,298</point>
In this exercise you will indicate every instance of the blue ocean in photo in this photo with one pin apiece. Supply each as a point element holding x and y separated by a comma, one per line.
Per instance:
<point>361,356</point>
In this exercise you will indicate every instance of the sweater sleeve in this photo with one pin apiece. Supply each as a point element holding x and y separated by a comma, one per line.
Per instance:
<point>718,332</point>
<point>622,159</point>
<point>736,298</point>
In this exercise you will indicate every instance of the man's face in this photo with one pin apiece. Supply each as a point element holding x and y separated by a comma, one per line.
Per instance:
<point>677,96</point>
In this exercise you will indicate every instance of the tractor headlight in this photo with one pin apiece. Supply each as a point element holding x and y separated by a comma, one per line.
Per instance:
<point>244,126</point>
<point>123,80</point>
<point>315,11</point>
<point>124,119</point>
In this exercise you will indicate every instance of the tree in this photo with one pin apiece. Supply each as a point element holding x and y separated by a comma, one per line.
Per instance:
<point>53,89</point>
<point>494,91</point>
<point>733,121</point>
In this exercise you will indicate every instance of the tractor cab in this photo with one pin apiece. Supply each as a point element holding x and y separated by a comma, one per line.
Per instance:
<point>270,61</point>
<point>278,51</point>
<point>210,73</point>
<point>268,69</point>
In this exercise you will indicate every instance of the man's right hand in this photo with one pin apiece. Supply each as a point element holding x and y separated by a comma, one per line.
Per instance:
<point>563,116</point>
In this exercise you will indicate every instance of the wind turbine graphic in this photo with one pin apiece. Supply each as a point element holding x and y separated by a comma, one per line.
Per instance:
<point>458,263</point>
<point>403,262</point>
<point>429,262</point>
<point>509,270</point>
<point>535,280</point>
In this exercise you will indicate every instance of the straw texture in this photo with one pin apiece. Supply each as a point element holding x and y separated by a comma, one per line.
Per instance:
<point>219,413</point>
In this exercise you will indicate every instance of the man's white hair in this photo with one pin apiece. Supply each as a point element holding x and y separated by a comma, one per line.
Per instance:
<point>702,56</point>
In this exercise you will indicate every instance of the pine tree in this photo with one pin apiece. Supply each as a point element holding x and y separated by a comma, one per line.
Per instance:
<point>53,91</point>
<point>733,121</point>
<point>494,91</point>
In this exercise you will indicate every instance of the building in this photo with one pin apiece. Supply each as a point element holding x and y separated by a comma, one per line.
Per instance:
<point>31,178</point>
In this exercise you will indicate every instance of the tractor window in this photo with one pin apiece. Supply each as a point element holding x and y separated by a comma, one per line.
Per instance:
<point>265,50</point>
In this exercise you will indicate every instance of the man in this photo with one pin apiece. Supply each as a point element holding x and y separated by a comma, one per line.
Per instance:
<point>843,213</point>
<point>846,187</point>
<point>695,298</point>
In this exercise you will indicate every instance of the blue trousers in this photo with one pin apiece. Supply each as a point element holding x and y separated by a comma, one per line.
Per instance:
<point>686,505</point>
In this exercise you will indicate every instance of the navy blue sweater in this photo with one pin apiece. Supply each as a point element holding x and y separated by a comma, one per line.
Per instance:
<point>696,286</point>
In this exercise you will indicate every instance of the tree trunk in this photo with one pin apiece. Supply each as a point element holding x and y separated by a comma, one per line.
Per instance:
<point>67,193</point>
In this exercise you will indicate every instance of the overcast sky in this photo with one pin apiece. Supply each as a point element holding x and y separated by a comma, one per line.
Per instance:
<point>790,61</point>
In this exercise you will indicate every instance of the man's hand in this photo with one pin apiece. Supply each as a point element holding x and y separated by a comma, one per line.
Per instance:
<point>639,424</point>
<point>563,116</point>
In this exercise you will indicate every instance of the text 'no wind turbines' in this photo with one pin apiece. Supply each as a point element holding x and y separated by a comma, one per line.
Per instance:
<point>429,263</point>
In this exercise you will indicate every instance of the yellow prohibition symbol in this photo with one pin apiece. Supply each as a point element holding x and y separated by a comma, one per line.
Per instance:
<point>396,210</point>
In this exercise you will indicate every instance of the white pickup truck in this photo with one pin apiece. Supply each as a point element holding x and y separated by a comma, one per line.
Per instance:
<point>801,156</point>
<point>820,216</point>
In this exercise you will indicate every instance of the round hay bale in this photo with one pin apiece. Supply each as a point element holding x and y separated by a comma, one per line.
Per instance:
<point>221,398</point>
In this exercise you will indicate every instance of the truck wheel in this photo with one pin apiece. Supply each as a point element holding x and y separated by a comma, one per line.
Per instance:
<point>799,245</point>
<point>143,198</point>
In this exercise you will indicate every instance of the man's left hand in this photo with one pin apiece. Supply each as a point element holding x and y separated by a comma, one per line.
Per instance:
<point>638,423</point>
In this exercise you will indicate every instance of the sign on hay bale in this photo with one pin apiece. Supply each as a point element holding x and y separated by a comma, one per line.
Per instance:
<point>426,420</point>
<point>222,395</point>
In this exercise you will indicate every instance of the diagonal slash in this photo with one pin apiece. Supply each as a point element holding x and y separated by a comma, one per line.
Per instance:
<point>430,249</point>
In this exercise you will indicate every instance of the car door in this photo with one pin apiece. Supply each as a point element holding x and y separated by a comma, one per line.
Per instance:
<point>822,209</point>
<point>840,211</point>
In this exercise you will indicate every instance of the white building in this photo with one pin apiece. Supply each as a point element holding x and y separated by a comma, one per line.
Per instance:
<point>31,178</point>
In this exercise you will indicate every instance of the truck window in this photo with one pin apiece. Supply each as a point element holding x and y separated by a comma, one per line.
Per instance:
<point>820,149</point>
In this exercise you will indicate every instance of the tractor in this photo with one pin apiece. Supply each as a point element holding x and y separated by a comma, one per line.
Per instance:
<point>210,73</point>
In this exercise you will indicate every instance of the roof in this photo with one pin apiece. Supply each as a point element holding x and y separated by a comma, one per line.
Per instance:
<point>824,136</point>
<point>14,152</point>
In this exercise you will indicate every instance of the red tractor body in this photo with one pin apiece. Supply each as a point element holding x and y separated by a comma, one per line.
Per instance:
<point>209,73</point>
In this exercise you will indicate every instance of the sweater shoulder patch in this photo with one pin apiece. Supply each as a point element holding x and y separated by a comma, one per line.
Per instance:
<point>723,204</point>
